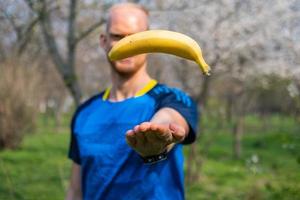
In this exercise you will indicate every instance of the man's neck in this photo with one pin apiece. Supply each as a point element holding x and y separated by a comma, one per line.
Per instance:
<point>126,87</point>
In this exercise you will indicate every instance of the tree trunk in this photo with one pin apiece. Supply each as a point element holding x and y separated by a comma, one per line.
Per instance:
<point>64,63</point>
<point>65,67</point>
<point>238,130</point>
<point>193,164</point>
<point>229,106</point>
<point>202,98</point>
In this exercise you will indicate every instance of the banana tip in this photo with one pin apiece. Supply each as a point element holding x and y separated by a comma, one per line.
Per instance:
<point>206,70</point>
<point>207,73</point>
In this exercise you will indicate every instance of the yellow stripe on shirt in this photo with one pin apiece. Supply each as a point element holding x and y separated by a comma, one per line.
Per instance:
<point>141,92</point>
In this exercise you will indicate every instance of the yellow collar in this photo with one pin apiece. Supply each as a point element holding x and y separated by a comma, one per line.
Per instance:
<point>141,92</point>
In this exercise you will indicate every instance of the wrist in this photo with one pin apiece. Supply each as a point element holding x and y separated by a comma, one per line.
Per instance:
<point>155,158</point>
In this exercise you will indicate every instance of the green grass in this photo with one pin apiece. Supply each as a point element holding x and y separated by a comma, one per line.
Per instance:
<point>39,169</point>
<point>268,168</point>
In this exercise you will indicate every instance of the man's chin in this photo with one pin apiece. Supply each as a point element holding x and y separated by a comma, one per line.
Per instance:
<point>124,70</point>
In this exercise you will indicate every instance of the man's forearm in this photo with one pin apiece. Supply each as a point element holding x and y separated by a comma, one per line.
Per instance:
<point>73,195</point>
<point>74,191</point>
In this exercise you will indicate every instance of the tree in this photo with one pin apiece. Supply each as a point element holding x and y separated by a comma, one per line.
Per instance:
<point>65,64</point>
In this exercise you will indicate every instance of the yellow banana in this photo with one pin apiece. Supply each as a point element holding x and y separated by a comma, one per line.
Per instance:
<point>160,41</point>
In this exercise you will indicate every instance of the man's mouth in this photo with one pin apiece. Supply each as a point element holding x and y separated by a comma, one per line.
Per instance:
<point>125,61</point>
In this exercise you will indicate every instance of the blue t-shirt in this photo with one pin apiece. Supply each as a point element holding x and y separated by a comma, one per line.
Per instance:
<point>112,170</point>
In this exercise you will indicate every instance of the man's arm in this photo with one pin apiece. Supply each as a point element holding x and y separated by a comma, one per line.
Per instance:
<point>74,190</point>
<point>166,128</point>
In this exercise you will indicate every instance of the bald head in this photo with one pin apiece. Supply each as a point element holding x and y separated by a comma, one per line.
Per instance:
<point>128,14</point>
<point>123,20</point>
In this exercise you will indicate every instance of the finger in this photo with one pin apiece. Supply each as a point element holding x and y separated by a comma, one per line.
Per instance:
<point>155,133</point>
<point>130,133</point>
<point>151,134</point>
<point>144,126</point>
<point>130,138</point>
<point>152,137</point>
<point>177,132</point>
<point>163,132</point>
<point>136,129</point>
<point>131,141</point>
<point>153,127</point>
<point>140,138</point>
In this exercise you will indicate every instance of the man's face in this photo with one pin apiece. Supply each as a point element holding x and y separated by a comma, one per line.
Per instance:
<point>124,22</point>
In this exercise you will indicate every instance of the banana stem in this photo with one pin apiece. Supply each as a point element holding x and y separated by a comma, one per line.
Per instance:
<point>203,65</point>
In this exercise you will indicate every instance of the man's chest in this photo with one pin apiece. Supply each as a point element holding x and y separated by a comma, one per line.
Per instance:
<point>103,129</point>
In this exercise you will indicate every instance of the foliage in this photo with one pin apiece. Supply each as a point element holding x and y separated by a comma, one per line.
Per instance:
<point>17,97</point>
<point>274,93</point>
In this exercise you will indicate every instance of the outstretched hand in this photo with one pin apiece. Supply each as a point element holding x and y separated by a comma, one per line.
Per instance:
<point>150,138</point>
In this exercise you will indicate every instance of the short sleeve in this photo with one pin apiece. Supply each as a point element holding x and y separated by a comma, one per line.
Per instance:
<point>182,103</point>
<point>73,153</point>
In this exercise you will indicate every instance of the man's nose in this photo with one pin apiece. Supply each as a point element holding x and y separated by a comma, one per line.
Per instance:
<point>113,42</point>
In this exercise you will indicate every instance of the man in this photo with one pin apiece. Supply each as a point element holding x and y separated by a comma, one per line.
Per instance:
<point>126,142</point>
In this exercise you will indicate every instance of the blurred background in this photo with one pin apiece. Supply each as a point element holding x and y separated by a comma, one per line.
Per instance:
<point>249,137</point>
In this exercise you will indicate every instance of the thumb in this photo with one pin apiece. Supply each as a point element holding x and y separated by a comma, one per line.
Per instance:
<point>177,131</point>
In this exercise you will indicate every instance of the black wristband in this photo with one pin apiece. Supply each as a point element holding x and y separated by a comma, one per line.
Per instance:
<point>155,158</point>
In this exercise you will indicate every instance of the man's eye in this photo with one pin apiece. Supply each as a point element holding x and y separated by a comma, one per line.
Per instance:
<point>116,36</point>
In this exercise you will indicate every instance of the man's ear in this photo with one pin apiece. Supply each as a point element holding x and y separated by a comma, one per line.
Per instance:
<point>103,40</point>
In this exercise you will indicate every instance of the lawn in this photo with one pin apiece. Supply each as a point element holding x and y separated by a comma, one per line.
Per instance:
<point>268,168</point>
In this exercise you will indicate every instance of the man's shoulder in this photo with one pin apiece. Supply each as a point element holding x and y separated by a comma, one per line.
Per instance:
<point>163,92</point>
<point>88,102</point>
<point>161,88</point>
